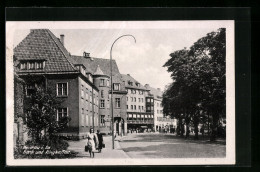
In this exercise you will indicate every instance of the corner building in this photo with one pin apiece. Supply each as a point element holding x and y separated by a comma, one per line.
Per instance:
<point>43,61</point>
<point>100,69</point>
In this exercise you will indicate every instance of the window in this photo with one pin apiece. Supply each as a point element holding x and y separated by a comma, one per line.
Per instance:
<point>86,119</point>
<point>133,91</point>
<point>116,86</point>
<point>107,82</point>
<point>139,107</point>
<point>132,107</point>
<point>102,120</point>
<point>30,89</point>
<point>102,93</point>
<point>151,100</point>
<point>148,100</point>
<point>130,83</point>
<point>62,89</point>
<point>82,91</point>
<point>137,84</point>
<point>135,99</point>
<point>126,98</point>
<point>117,102</point>
<point>131,99</point>
<point>135,107</point>
<point>148,108</point>
<point>139,99</point>
<point>86,94</point>
<point>82,117</point>
<point>151,107</point>
<point>102,82</point>
<point>158,111</point>
<point>130,117</point>
<point>140,92</point>
<point>142,108</point>
<point>102,103</point>
<point>30,65</point>
<point>62,112</point>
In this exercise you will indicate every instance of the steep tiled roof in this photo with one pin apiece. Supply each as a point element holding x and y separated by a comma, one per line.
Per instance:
<point>91,64</point>
<point>42,44</point>
<point>127,78</point>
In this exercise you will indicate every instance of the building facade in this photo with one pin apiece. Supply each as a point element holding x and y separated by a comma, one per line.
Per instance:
<point>43,61</point>
<point>162,122</point>
<point>139,106</point>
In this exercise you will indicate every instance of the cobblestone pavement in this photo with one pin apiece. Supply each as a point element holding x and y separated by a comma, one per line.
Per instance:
<point>107,152</point>
<point>158,145</point>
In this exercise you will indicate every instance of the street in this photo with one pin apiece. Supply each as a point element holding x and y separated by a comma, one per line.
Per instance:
<point>158,145</point>
<point>154,145</point>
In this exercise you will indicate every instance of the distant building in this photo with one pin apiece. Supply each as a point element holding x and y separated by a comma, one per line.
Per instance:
<point>140,105</point>
<point>161,121</point>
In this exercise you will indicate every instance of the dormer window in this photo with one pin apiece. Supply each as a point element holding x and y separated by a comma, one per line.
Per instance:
<point>116,86</point>
<point>32,65</point>
<point>130,83</point>
<point>137,84</point>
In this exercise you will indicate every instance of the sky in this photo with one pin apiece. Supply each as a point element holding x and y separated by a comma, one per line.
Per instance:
<point>143,60</point>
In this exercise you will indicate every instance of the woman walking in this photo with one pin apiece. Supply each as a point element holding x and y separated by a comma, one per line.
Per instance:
<point>92,142</point>
<point>100,141</point>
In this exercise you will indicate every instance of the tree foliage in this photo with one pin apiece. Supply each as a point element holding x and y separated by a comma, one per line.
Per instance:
<point>198,81</point>
<point>41,118</point>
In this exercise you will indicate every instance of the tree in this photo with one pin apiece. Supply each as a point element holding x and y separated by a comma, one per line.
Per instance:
<point>41,118</point>
<point>198,81</point>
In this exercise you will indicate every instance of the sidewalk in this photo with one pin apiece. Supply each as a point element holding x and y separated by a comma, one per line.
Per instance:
<point>107,152</point>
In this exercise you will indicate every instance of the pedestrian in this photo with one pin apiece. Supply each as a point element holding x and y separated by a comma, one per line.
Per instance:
<point>100,141</point>
<point>92,142</point>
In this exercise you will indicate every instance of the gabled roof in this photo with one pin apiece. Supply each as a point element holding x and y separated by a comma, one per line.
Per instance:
<point>127,79</point>
<point>42,44</point>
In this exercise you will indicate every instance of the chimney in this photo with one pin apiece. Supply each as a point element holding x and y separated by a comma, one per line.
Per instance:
<point>85,54</point>
<point>128,74</point>
<point>62,39</point>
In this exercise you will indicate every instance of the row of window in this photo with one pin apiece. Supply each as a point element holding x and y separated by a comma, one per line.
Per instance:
<point>149,100</point>
<point>159,111</point>
<point>159,104</point>
<point>133,91</point>
<point>133,107</point>
<point>117,105</point>
<point>149,108</point>
<point>138,117</point>
<point>32,65</point>
<point>85,117</point>
<point>133,99</point>
<point>84,92</point>
<point>104,82</point>
<point>132,84</point>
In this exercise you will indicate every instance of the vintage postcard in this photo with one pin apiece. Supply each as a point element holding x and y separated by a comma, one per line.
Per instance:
<point>120,93</point>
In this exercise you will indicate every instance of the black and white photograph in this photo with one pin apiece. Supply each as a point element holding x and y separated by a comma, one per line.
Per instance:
<point>120,93</point>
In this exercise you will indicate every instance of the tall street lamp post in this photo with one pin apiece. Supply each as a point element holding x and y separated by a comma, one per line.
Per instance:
<point>111,77</point>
